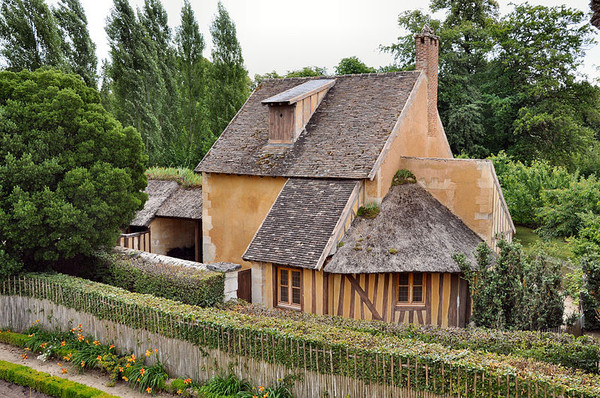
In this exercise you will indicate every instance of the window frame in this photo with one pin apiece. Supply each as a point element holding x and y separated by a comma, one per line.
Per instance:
<point>277,296</point>
<point>411,302</point>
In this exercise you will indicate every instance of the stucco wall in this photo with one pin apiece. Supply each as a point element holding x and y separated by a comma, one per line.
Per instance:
<point>169,233</point>
<point>410,138</point>
<point>233,208</point>
<point>468,188</point>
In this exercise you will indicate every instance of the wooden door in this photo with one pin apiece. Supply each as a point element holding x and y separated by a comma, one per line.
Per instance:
<point>245,285</point>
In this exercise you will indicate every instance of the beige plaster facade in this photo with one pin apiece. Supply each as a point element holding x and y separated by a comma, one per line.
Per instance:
<point>233,208</point>
<point>470,189</point>
<point>410,137</point>
<point>170,233</point>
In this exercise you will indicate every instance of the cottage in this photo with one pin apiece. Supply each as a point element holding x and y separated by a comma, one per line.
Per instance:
<point>283,184</point>
<point>170,222</point>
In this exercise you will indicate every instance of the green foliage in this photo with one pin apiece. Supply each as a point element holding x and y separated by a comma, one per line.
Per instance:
<point>185,284</point>
<point>77,46</point>
<point>369,211</point>
<point>184,177</point>
<point>352,65</point>
<point>307,71</point>
<point>404,176</point>
<point>219,329</point>
<point>522,186</point>
<point>29,37</point>
<point>573,284</point>
<point>229,80</point>
<point>14,339</point>
<point>44,383</point>
<point>143,377</point>
<point>70,174</point>
<point>225,385</point>
<point>516,292</point>
<point>591,291</point>
<point>510,82</point>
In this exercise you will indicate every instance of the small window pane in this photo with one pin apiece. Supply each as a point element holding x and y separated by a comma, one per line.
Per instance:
<point>417,279</point>
<point>284,277</point>
<point>296,296</point>
<point>403,294</point>
<point>418,294</point>
<point>296,279</point>
<point>283,295</point>
<point>403,279</point>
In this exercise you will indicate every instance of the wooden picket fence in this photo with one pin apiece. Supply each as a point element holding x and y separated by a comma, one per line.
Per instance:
<point>253,356</point>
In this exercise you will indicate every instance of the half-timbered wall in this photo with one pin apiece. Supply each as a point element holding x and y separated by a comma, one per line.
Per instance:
<point>373,297</point>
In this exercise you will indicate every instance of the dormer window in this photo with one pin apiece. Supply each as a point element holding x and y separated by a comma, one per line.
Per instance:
<point>290,111</point>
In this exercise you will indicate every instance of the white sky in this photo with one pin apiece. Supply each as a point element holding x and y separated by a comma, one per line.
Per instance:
<point>284,35</point>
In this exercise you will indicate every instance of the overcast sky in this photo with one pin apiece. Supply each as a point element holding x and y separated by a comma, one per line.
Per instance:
<point>284,35</point>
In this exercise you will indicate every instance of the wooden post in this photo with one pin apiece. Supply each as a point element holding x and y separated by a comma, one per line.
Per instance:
<point>198,241</point>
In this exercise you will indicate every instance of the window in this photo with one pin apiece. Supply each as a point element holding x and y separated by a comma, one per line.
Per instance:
<point>289,287</point>
<point>411,288</point>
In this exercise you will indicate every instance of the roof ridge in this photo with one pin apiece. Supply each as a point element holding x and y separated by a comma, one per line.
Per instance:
<point>400,72</point>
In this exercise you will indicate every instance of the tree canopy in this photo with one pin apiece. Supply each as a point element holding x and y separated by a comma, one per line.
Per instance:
<point>70,174</point>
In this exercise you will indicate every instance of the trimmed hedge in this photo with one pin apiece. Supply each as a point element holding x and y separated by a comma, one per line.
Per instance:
<point>179,283</point>
<point>556,348</point>
<point>373,358</point>
<point>47,384</point>
<point>15,339</point>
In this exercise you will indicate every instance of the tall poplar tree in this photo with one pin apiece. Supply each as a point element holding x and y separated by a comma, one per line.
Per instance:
<point>193,79</point>
<point>77,45</point>
<point>29,36</point>
<point>230,81</point>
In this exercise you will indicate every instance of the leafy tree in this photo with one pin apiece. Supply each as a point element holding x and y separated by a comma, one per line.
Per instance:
<point>29,37</point>
<point>230,81</point>
<point>513,292</point>
<point>307,71</point>
<point>70,174</point>
<point>193,77</point>
<point>77,45</point>
<point>351,65</point>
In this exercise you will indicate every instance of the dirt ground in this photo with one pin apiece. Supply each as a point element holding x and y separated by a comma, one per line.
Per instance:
<point>94,379</point>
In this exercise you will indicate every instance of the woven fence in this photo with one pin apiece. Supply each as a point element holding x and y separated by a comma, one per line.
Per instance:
<point>199,348</point>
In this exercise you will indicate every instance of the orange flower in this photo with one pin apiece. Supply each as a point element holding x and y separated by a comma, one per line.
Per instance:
<point>43,345</point>
<point>133,357</point>
<point>99,357</point>
<point>79,326</point>
<point>128,365</point>
<point>260,388</point>
<point>73,330</point>
<point>59,365</point>
<point>63,370</point>
<point>179,392</point>
<point>155,350</point>
<point>148,353</point>
<point>27,349</point>
<point>37,321</point>
<point>148,390</point>
<point>82,364</point>
<point>125,378</point>
<point>120,369</point>
<point>32,334</point>
<point>63,343</point>
<point>187,381</point>
<point>80,337</point>
<point>111,347</point>
<point>96,342</point>
<point>138,380</point>
<point>142,371</point>
<point>24,356</point>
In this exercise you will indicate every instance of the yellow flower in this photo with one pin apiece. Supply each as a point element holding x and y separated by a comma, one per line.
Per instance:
<point>148,353</point>
<point>133,357</point>
<point>179,392</point>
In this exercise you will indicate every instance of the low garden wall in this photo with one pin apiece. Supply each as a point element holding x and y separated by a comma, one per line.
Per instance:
<point>195,342</point>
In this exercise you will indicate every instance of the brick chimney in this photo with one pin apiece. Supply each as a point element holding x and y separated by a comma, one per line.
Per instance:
<point>427,45</point>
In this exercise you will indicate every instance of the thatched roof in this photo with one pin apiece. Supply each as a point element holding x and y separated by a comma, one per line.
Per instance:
<point>595,6</point>
<point>300,224</point>
<point>412,233</point>
<point>343,139</point>
<point>183,203</point>
<point>158,192</point>
<point>169,199</point>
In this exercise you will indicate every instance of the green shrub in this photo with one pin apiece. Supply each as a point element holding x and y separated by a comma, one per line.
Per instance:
<point>404,176</point>
<point>185,284</point>
<point>225,385</point>
<point>43,382</point>
<point>369,211</point>
<point>343,351</point>
<point>15,339</point>
<point>184,177</point>
<point>516,292</point>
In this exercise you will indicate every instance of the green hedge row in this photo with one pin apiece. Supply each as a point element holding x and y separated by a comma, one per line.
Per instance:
<point>556,348</point>
<point>47,384</point>
<point>15,339</point>
<point>185,284</point>
<point>328,349</point>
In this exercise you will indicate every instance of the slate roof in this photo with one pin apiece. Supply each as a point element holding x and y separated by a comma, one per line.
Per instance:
<point>300,223</point>
<point>168,199</point>
<point>343,139</point>
<point>422,230</point>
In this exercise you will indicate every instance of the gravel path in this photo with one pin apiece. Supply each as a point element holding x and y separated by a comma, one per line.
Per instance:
<point>94,379</point>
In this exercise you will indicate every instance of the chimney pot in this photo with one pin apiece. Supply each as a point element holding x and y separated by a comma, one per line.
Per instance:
<point>427,61</point>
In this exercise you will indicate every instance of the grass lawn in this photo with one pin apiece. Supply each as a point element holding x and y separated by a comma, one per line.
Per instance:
<point>554,247</point>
